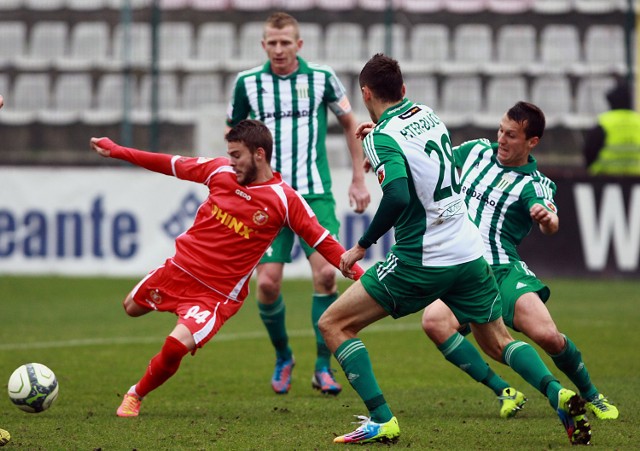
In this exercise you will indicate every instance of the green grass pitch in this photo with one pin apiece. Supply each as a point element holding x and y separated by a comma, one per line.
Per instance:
<point>221,398</point>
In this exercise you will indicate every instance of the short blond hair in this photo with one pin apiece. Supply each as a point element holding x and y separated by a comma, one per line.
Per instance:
<point>279,20</point>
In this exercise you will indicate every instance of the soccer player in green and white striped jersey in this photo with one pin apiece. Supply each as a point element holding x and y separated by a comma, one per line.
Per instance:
<point>438,254</point>
<point>291,97</point>
<point>505,195</point>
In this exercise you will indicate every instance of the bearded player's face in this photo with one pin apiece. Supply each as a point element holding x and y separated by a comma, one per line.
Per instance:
<point>243,162</point>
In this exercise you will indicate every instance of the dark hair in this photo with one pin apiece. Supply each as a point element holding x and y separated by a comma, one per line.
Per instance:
<point>383,77</point>
<point>531,116</point>
<point>253,134</point>
<point>279,20</point>
<point>619,97</point>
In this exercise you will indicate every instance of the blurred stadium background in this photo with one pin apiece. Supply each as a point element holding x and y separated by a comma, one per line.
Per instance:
<point>158,72</point>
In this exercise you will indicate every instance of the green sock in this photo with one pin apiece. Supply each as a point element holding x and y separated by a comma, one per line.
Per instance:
<point>459,351</point>
<point>569,361</point>
<point>525,361</point>
<point>319,304</point>
<point>273,318</point>
<point>354,359</point>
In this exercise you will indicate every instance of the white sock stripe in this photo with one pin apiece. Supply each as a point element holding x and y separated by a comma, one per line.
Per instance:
<point>449,349</point>
<point>512,348</point>
<point>349,350</point>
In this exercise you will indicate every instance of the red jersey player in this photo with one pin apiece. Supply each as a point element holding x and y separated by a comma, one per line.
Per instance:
<point>207,279</point>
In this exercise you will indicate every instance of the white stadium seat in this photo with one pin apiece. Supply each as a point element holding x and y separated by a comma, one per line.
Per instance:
<point>376,41</point>
<point>13,38</point>
<point>559,47</point>
<point>461,99</point>
<point>552,93</point>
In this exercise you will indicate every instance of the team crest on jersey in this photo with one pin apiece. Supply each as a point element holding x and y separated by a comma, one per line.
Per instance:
<point>550,206</point>
<point>155,296</point>
<point>302,90</point>
<point>505,181</point>
<point>380,174</point>
<point>260,217</point>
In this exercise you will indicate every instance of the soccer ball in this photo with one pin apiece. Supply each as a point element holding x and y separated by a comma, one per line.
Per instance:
<point>33,387</point>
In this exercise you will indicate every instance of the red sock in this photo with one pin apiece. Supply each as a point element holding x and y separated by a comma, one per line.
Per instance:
<point>162,366</point>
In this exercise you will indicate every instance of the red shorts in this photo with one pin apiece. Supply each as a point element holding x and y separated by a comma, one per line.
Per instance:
<point>170,289</point>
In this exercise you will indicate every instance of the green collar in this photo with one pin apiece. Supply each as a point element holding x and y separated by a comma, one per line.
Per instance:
<point>303,68</point>
<point>396,109</point>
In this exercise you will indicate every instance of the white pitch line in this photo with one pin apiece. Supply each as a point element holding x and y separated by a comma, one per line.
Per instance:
<point>382,328</point>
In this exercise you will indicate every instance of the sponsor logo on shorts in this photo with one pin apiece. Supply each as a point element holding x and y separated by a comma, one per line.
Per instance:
<point>155,296</point>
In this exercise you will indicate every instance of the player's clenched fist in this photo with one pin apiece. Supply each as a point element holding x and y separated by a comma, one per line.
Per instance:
<point>102,146</point>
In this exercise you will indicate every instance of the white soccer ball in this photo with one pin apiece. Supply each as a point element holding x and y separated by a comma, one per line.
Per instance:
<point>33,387</point>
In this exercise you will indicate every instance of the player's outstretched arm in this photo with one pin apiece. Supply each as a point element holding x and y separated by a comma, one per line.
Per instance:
<point>157,162</point>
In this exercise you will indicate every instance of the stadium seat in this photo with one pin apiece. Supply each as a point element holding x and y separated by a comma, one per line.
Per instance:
<point>48,41</point>
<point>591,98</point>
<point>167,95</point>
<point>465,6</point>
<point>599,6</point>
<point>45,5</point>
<point>559,47</point>
<point>215,46</point>
<point>296,4</point>
<point>111,92</point>
<point>13,38</point>
<point>509,6</point>
<point>176,44</point>
<point>515,48</point>
<point>422,6</point>
<point>202,89</point>
<point>604,49</point>
<point>378,5</point>
<point>210,5</point>
<point>110,100</point>
<point>72,96</point>
<point>502,92</point>
<point>343,45</point>
<point>138,47</point>
<point>251,51</point>
<point>336,5</point>
<point>423,89</point>
<point>254,5</point>
<point>135,4</point>
<point>552,6</point>
<point>31,93</point>
<point>86,5</point>
<point>429,45</point>
<point>311,35</point>
<point>472,48</point>
<point>174,4</point>
<point>552,93</point>
<point>88,46</point>
<point>11,4</point>
<point>377,41</point>
<point>461,98</point>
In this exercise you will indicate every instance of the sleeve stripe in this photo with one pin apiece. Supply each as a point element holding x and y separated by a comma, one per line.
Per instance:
<point>173,164</point>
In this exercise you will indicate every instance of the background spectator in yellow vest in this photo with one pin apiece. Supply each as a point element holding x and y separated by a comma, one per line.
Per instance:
<point>613,146</point>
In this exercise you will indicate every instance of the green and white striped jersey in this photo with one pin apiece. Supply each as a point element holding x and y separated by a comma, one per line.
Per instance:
<point>294,107</point>
<point>499,198</point>
<point>410,141</point>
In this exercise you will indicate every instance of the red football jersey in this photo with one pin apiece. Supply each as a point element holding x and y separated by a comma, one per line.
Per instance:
<point>236,224</point>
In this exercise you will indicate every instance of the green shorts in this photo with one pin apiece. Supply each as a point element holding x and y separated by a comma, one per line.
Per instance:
<point>325,209</point>
<point>469,289</point>
<point>514,280</point>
